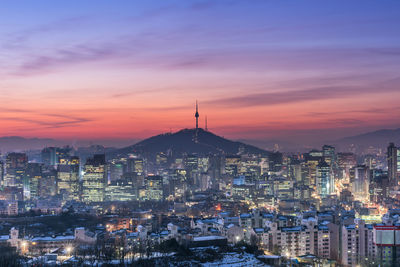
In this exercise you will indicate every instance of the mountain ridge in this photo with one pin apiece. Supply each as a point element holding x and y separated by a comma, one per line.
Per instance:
<point>379,138</point>
<point>185,141</point>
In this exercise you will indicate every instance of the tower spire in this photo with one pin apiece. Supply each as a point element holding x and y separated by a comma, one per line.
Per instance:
<point>206,128</point>
<point>196,115</point>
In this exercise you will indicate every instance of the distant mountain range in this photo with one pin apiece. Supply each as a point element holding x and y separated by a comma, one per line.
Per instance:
<point>184,141</point>
<point>16,143</point>
<point>380,138</point>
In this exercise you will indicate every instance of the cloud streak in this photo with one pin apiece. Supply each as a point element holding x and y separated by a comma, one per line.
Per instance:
<point>297,96</point>
<point>51,122</point>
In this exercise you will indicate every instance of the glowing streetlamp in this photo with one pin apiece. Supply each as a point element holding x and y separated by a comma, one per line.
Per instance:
<point>24,247</point>
<point>69,250</point>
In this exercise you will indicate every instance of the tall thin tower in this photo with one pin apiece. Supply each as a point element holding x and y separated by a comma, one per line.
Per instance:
<point>206,128</point>
<point>197,116</point>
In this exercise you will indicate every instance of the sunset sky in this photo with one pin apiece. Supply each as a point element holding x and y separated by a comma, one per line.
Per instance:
<point>260,69</point>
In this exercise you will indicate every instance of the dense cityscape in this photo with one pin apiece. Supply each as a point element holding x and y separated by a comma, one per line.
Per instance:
<point>146,206</point>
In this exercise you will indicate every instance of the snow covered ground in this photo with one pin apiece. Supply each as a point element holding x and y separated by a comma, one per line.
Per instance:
<point>235,260</point>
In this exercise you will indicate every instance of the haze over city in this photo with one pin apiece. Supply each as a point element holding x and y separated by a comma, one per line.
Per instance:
<point>261,70</point>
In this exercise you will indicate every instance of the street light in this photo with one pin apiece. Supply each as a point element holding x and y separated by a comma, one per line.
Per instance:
<point>24,246</point>
<point>69,250</point>
<point>289,258</point>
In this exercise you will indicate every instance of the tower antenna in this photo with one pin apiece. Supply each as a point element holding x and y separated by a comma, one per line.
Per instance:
<point>197,116</point>
<point>206,128</point>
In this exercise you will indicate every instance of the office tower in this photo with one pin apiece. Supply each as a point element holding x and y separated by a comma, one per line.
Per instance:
<point>305,173</point>
<point>393,162</point>
<point>370,161</point>
<point>346,161</point>
<point>161,159</point>
<point>134,171</point>
<point>63,153</point>
<point>275,161</point>
<point>232,165</point>
<point>33,178</point>
<point>94,179</point>
<point>329,154</point>
<point>48,183</point>
<point>49,156</point>
<point>16,164</point>
<point>312,159</point>
<point>135,165</point>
<point>324,180</point>
<point>191,165</point>
<point>203,164</point>
<point>116,168</point>
<point>379,185</point>
<point>360,178</point>
<point>68,178</point>
<point>121,190</point>
<point>154,188</point>
<point>177,183</point>
<point>294,169</point>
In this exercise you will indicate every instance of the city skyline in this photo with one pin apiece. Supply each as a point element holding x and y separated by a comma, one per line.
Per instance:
<point>264,70</point>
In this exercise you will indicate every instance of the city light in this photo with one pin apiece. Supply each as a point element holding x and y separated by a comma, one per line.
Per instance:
<point>69,249</point>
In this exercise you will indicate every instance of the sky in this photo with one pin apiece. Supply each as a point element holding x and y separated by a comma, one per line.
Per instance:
<point>285,70</point>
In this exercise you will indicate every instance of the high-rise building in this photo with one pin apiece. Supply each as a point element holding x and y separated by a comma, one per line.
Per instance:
<point>33,178</point>
<point>346,161</point>
<point>357,247</point>
<point>161,159</point>
<point>68,178</point>
<point>324,181</point>
<point>134,171</point>
<point>16,164</point>
<point>393,158</point>
<point>48,183</point>
<point>379,185</point>
<point>232,165</point>
<point>49,156</point>
<point>121,190</point>
<point>116,168</point>
<point>360,179</point>
<point>204,164</point>
<point>191,164</point>
<point>329,154</point>
<point>154,188</point>
<point>312,159</point>
<point>275,161</point>
<point>94,179</point>
<point>135,165</point>
<point>63,153</point>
